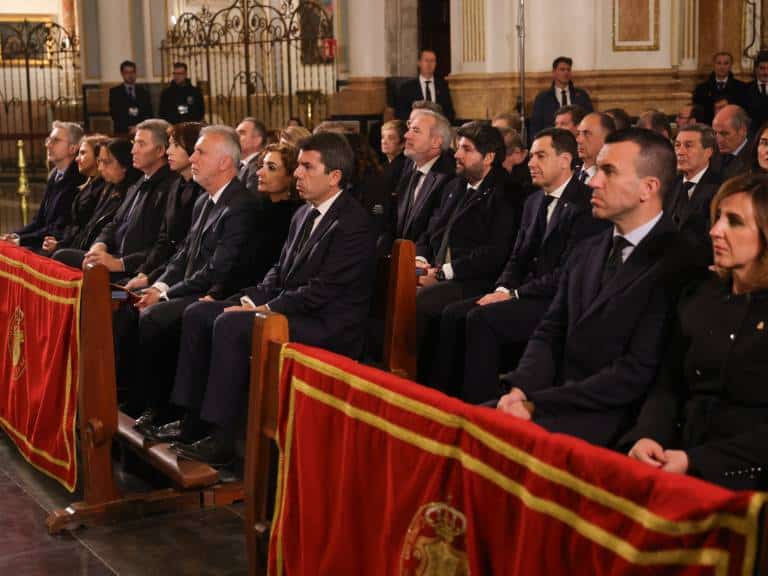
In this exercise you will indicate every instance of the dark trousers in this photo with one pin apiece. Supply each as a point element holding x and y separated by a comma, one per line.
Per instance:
<point>489,331</point>
<point>430,303</point>
<point>159,331</point>
<point>213,371</point>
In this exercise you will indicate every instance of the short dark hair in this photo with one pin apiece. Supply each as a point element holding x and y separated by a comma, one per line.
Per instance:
<point>656,155</point>
<point>705,132</point>
<point>185,134</point>
<point>335,153</point>
<point>561,60</point>
<point>485,137</point>
<point>722,53</point>
<point>658,121</point>
<point>180,65</point>
<point>127,64</point>
<point>421,52</point>
<point>563,142</point>
<point>577,112</point>
<point>258,126</point>
<point>606,122</point>
<point>620,118</point>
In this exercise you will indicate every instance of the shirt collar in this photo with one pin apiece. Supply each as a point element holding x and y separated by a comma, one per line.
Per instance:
<point>427,166</point>
<point>557,192</point>
<point>591,171</point>
<point>248,158</point>
<point>697,177</point>
<point>219,192</point>
<point>636,236</point>
<point>422,79</point>
<point>326,205</point>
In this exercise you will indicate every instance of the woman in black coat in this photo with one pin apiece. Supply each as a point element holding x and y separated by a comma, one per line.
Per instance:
<point>708,415</point>
<point>116,169</point>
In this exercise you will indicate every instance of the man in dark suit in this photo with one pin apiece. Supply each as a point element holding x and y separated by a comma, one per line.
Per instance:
<point>253,139</point>
<point>590,137</point>
<point>721,85</point>
<point>697,183</point>
<point>431,167</point>
<point>561,93</point>
<point>123,244</point>
<point>426,87</point>
<point>757,92</point>
<point>593,358</point>
<point>569,117</point>
<point>731,127</point>
<point>180,101</point>
<point>469,236</point>
<point>55,209</point>
<point>322,283</point>
<point>556,217</point>
<point>129,103</point>
<point>222,222</point>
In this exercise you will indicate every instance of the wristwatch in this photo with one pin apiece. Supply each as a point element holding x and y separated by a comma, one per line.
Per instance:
<point>440,275</point>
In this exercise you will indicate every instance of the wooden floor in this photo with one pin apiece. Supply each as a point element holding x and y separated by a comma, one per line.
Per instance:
<point>207,542</point>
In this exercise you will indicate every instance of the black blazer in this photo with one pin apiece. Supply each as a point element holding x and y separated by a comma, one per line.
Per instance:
<point>482,229</point>
<point>710,398</point>
<point>739,164</point>
<point>757,106</point>
<point>55,211</point>
<point>83,207</point>
<point>593,358</point>
<point>225,233</point>
<point>546,104</point>
<point>175,99</point>
<point>248,174</point>
<point>697,207</point>
<point>707,93</point>
<point>145,221</point>
<point>412,224</point>
<point>177,221</point>
<point>120,104</point>
<point>109,203</point>
<point>410,92</point>
<point>534,266</point>
<point>325,289</point>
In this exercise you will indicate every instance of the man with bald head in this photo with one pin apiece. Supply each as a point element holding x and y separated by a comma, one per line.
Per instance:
<point>222,223</point>
<point>731,126</point>
<point>590,137</point>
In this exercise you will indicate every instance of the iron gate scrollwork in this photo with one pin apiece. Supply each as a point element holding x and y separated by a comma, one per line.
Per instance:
<point>39,83</point>
<point>258,59</point>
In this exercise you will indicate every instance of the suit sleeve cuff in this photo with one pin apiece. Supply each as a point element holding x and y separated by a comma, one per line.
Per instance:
<point>502,289</point>
<point>163,288</point>
<point>421,259</point>
<point>448,271</point>
<point>245,301</point>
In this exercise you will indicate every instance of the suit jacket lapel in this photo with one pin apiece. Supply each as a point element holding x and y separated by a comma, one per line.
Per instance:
<point>562,205</point>
<point>219,208</point>
<point>424,192</point>
<point>328,219</point>
<point>593,273</point>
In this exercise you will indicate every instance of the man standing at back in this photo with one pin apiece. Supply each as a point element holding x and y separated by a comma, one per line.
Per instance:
<point>721,85</point>
<point>56,207</point>
<point>561,93</point>
<point>426,87</point>
<point>253,138</point>
<point>129,103</point>
<point>593,358</point>
<point>180,101</point>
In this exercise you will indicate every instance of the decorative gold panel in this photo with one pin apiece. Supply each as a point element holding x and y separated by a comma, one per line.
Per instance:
<point>635,25</point>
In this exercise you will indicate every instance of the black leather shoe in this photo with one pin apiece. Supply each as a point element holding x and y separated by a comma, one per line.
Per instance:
<point>207,450</point>
<point>145,422</point>
<point>165,432</point>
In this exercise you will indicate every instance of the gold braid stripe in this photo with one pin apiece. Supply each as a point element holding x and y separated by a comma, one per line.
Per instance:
<point>718,559</point>
<point>39,275</point>
<point>284,464</point>
<point>634,511</point>
<point>40,291</point>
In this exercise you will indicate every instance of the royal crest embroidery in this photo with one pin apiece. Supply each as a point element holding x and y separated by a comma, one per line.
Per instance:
<point>435,543</point>
<point>16,344</point>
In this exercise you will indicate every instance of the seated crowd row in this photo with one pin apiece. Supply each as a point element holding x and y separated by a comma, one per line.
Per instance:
<point>615,279</point>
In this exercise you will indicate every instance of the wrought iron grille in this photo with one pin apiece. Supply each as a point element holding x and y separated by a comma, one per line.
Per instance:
<point>262,60</point>
<point>39,83</point>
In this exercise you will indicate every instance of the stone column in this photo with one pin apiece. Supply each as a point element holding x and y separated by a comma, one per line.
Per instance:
<point>689,35</point>
<point>69,16</point>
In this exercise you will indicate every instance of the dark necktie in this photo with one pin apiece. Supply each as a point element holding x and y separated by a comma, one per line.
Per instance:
<point>564,97</point>
<point>197,239</point>
<point>243,172</point>
<point>59,176</point>
<point>306,231</point>
<point>122,229</point>
<point>131,93</point>
<point>583,176</point>
<point>687,186</point>
<point>720,86</point>
<point>726,159</point>
<point>428,95</point>
<point>614,260</point>
<point>542,216</point>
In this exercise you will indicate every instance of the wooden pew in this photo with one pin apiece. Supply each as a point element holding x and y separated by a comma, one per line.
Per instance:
<point>270,332</point>
<point>195,484</point>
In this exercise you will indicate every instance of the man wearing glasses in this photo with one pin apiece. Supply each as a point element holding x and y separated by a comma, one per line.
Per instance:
<point>63,181</point>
